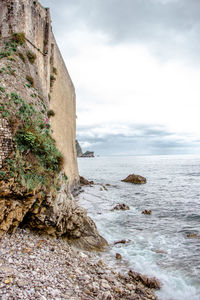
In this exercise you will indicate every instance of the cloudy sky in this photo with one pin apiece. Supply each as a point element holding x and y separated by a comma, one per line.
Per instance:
<point>136,69</point>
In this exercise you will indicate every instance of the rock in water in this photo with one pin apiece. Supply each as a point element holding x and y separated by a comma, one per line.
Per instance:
<point>84,181</point>
<point>152,283</point>
<point>146,212</point>
<point>120,207</point>
<point>118,256</point>
<point>136,179</point>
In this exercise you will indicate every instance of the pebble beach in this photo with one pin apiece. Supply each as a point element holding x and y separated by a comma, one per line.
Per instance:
<point>41,267</point>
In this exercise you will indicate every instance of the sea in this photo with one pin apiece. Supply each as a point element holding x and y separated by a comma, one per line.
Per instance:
<point>165,244</point>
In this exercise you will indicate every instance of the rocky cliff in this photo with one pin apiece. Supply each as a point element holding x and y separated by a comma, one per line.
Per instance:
<point>38,165</point>
<point>78,149</point>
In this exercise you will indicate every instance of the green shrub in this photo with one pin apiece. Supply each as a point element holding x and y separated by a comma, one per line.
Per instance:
<point>2,89</point>
<point>50,113</point>
<point>36,160</point>
<point>18,38</point>
<point>55,71</point>
<point>5,114</point>
<point>31,56</point>
<point>21,56</point>
<point>52,79</point>
<point>30,80</point>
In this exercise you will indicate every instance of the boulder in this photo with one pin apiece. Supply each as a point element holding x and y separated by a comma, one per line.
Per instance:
<point>136,179</point>
<point>193,236</point>
<point>84,181</point>
<point>118,256</point>
<point>120,207</point>
<point>146,212</point>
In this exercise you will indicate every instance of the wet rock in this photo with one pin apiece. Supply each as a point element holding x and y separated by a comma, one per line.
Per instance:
<point>136,179</point>
<point>118,256</point>
<point>193,236</point>
<point>147,212</point>
<point>120,207</point>
<point>146,281</point>
<point>84,181</point>
<point>120,242</point>
<point>105,189</point>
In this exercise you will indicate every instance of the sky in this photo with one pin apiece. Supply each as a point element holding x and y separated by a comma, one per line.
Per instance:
<point>136,70</point>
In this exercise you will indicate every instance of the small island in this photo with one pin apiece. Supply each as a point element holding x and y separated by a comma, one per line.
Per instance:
<point>80,152</point>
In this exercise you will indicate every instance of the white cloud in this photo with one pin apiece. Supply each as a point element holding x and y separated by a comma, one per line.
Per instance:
<point>133,71</point>
<point>124,84</point>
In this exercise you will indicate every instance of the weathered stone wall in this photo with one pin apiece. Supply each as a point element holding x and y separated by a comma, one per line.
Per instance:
<point>31,18</point>
<point>63,103</point>
<point>34,21</point>
<point>5,140</point>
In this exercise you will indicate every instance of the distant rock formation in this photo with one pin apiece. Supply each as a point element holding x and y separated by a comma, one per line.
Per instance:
<point>88,154</point>
<point>78,149</point>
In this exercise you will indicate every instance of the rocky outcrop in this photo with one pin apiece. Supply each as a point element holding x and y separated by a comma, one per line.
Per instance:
<point>56,215</point>
<point>152,283</point>
<point>78,149</point>
<point>88,154</point>
<point>136,179</point>
<point>38,162</point>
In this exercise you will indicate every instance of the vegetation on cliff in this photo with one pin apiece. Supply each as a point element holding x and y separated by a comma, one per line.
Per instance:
<point>34,190</point>
<point>35,159</point>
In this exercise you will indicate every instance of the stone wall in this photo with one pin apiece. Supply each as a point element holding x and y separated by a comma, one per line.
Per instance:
<point>63,103</point>
<point>5,140</point>
<point>34,21</point>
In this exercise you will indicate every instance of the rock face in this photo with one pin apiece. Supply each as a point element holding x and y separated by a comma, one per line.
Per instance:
<point>38,163</point>
<point>78,149</point>
<point>136,179</point>
<point>88,154</point>
<point>48,71</point>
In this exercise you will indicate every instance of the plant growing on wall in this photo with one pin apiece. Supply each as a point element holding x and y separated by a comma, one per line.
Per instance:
<point>36,159</point>
<point>31,56</point>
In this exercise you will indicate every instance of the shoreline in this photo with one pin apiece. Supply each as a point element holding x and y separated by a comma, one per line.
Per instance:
<point>34,266</point>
